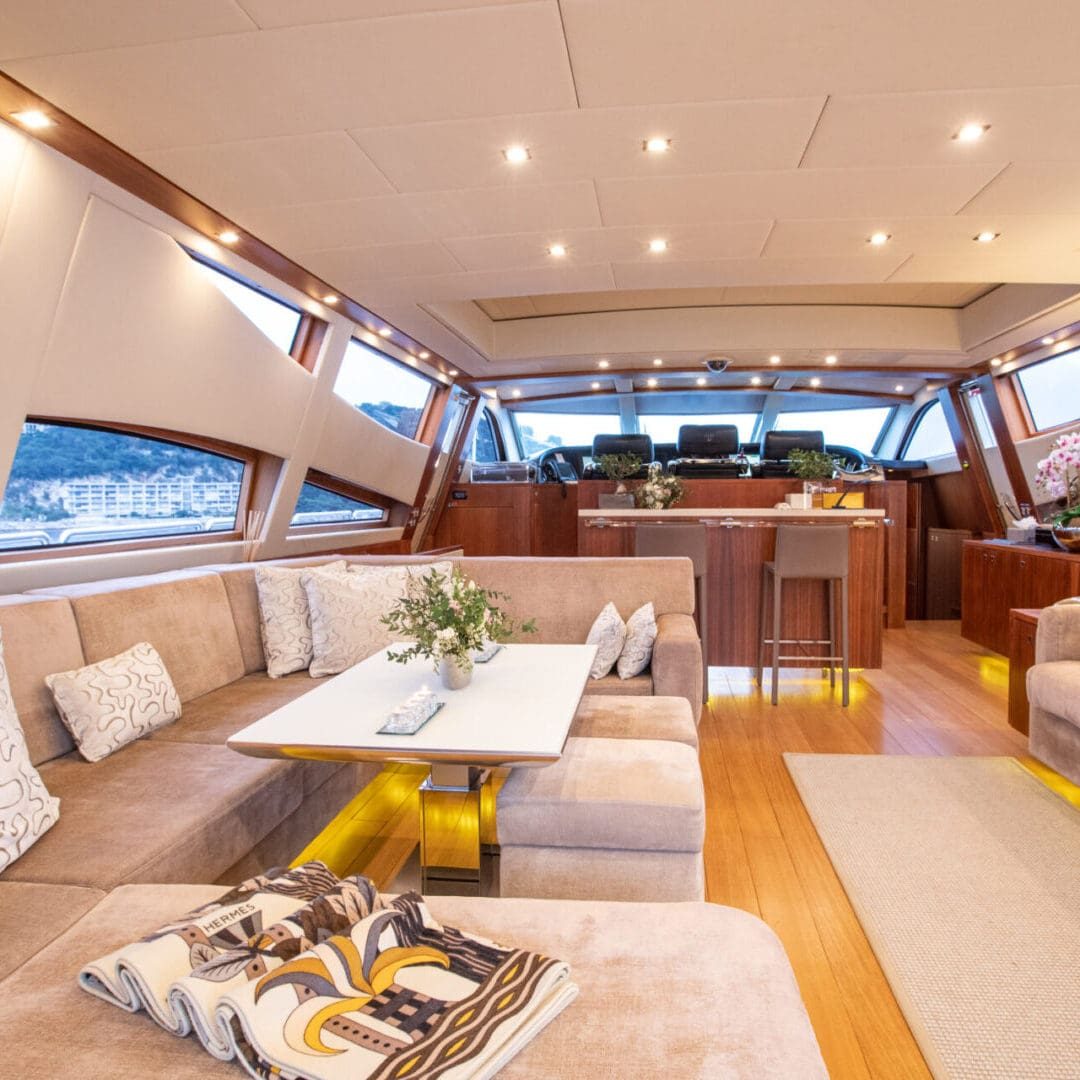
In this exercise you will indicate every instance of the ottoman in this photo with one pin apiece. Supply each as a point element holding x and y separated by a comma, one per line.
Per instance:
<point>667,718</point>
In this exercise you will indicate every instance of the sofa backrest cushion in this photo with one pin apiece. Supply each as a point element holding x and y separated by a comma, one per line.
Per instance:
<point>566,595</point>
<point>186,616</point>
<point>40,637</point>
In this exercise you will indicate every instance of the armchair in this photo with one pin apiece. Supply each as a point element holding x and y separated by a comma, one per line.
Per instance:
<point>1053,686</point>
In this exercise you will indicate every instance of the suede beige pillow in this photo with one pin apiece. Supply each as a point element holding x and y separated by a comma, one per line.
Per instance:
<point>111,703</point>
<point>346,612</point>
<point>27,810</point>
<point>640,639</point>
<point>284,616</point>
<point>608,634</point>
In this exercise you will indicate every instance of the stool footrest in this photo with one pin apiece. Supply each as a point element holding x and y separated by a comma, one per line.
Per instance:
<point>798,641</point>
<point>813,659</point>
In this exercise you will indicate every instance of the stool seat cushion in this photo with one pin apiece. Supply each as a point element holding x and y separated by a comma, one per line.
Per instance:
<point>604,717</point>
<point>629,794</point>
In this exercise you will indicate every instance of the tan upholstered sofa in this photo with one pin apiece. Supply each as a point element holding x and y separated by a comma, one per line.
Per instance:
<point>1053,687</point>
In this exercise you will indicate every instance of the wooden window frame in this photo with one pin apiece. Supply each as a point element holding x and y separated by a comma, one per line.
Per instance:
<point>394,512</point>
<point>244,455</point>
<point>1017,403</point>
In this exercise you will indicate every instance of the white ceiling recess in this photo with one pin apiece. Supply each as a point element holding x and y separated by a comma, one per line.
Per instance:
<point>365,138</point>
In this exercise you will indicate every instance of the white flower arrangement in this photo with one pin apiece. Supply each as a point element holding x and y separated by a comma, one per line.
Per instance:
<point>1058,475</point>
<point>660,491</point>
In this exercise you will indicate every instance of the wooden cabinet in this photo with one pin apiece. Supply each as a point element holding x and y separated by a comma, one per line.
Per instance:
<point>998,577</point>
<point>1023,624</point>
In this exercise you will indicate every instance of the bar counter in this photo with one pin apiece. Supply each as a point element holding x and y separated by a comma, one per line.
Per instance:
<point>740,540</point>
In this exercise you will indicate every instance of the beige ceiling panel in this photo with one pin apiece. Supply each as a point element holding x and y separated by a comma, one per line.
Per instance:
<point>1026,124</point>
<point>714,137</point>
<point>323,226</point>
<point>487,211</point>
<point>690,275</point>
<point>385,261</point>
<point>283,171</point>
<point>368,72</point>
<point>1063,268</point>
<point>793,193</point>
<point>1031,188</point>
<point>274,13</point>
<point>729,240</point>
<point>926,236</point>
<point>51,27</point>
<point>699,50</point>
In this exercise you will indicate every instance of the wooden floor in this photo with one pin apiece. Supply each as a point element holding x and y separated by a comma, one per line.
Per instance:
<point>936,694</point>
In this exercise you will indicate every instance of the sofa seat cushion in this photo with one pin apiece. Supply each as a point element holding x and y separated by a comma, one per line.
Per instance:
<point>157,811</point>
<point>639,685</point>
<point>32,915</point>
<point>601,716</point>
<point>739,1010</point>
<point>630,794</point>
<point>1055,688</point>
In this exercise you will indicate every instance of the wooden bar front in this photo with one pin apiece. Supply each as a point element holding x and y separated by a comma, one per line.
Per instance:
<point>738,549</point>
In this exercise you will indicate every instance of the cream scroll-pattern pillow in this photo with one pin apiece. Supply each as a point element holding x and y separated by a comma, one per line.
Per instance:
<point>640,639</point>
<point>115,701</point>
<point>284,616</point>
<point>27,810</point>
<point>608,634</point>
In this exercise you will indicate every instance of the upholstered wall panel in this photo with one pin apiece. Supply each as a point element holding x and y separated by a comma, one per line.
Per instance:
<point>141,337</point>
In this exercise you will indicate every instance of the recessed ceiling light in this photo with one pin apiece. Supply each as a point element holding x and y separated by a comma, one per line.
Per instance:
<point>879,238</point>
<point>658,246</point>
<point>385,331</point>
<point>453,372</point>
<point>756,380</point>
<point>656,145</point>
<point>815,381</point>
<point>996,362</point>
<point>515,393</point>
<point>33,119</point>
<point>229,236</point>
<point>557,250</point>
<point>830,359</point>
<point>492,393</point>
<point>424,355</point>
<point>971,132</point>
<point>774,359</point>
<point>603,364</point>
<point>1047,341</point>
<point>517,155</point>
<point>330,298</point>
<point>658,362</point>
<point>652,382</point>
<point>899,388</point>
<point>986,237</point>
<point>701,380</point>
<point>596,386</point>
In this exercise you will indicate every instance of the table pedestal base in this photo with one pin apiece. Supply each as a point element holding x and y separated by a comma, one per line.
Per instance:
<point>440,815</point>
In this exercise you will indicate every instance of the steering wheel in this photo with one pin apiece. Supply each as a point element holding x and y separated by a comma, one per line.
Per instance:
<point>853,460</point>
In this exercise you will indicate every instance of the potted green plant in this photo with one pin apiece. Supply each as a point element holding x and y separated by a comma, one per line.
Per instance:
<point>814,468</point>
<point>447,618</point>
<point>661,491</point>
<point>1058,475</point>
<point>618,467</point>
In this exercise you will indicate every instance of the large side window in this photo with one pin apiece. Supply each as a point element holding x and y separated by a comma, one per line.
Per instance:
<point>664,427</point>
<point>320,506</point>
<point>81,485</point>
<point>383,389</point>
<point>1052,390</point>
<point>539,431</point>
<point>930,437</point>
<point>276,319</point>
<point>859,428</point>
<point>485,445</point>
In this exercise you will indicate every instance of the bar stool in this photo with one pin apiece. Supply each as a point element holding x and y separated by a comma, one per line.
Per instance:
<point>687,542</point>
<point>815,553</point>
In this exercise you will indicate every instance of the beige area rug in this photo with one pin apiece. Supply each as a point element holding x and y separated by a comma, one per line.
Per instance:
<point>965,874</point>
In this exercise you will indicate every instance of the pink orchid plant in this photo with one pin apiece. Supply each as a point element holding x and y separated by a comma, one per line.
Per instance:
<point>1058,475</point>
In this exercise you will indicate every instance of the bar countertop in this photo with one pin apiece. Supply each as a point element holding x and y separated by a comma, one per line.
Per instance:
<point>840,514</point>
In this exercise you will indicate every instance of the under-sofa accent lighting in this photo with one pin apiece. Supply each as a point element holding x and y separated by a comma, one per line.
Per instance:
<point>517,155</point>
<point>34,119</point>
<point>971,132</point>
<point>229,236</point>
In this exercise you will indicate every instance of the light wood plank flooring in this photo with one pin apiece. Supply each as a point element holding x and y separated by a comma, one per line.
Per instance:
<point>935,694</point>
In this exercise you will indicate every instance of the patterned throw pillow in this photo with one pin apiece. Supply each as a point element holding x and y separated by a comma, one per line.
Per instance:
<point>27,810</point>
<point>346,612</point>
<point>115,701</point>
<point>284,617</point>
<point>608,634</point>
<point>640,638</point>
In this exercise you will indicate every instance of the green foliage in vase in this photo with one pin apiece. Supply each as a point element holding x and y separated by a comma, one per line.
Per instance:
<point>448,615</point>
<point>619,467</point>
<point>812,465</point>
